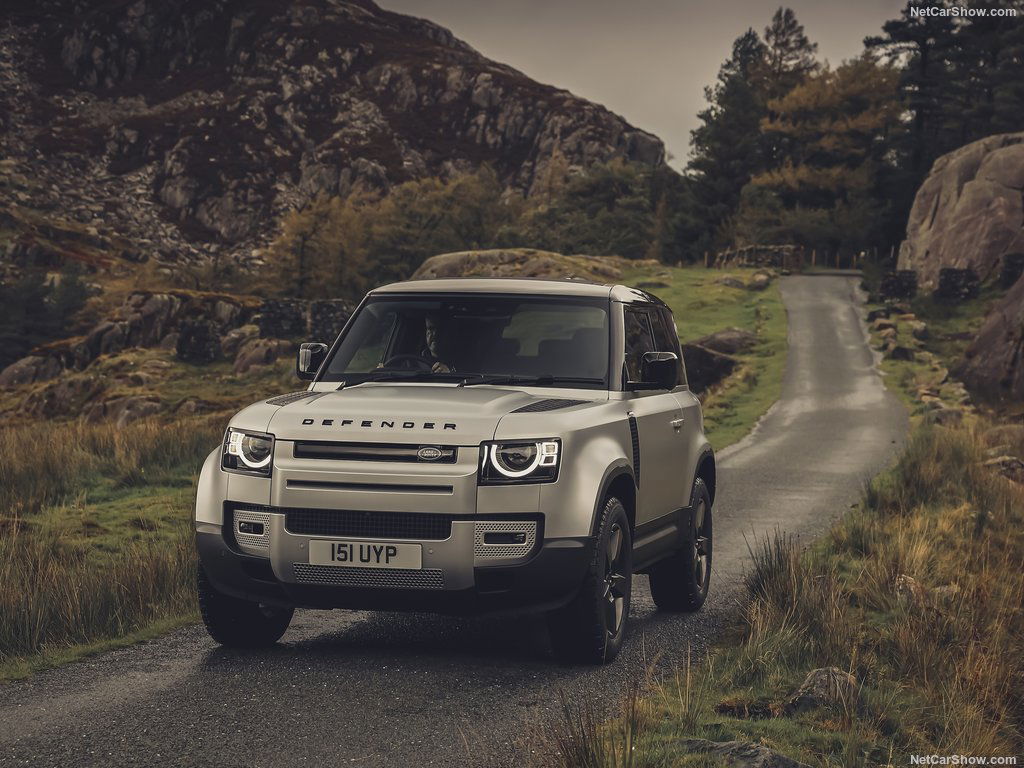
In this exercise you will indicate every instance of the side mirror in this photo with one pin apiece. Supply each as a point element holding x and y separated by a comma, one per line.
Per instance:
<point>309,359</point>
<point>658,370</point>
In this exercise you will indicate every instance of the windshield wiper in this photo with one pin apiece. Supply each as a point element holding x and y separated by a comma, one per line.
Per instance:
<point>525,381</point>
<point>384,375</point>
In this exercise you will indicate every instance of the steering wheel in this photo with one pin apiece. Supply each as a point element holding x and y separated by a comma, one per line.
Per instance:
<point>419,362</point>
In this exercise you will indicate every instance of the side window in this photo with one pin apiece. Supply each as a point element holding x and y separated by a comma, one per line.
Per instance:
<point>639,339</point>
<point>667,340</point>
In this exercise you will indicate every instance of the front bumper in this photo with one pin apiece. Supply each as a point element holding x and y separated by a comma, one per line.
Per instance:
<point>454,577</point>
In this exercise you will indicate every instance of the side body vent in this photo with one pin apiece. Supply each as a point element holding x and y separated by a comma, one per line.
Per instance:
<point>291,397</point>
<point>552,404</point>
<point>634,435</point>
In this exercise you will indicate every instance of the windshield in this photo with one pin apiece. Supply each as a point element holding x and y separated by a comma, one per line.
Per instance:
<point>476,338</point>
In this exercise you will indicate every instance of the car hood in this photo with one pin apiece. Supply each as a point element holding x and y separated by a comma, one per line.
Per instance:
<point>441,414</point>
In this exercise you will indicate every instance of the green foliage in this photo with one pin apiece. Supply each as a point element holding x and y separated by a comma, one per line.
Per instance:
<point>35,309</point>
<point>613,209</point>
<point>337,247</point>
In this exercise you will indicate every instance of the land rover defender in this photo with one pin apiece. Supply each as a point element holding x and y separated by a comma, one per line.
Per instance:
<point>467,445</point>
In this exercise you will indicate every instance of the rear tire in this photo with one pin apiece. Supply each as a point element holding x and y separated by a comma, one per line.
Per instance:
<point>591,628</point>
<point>239,623</point>
<point>681,582</point>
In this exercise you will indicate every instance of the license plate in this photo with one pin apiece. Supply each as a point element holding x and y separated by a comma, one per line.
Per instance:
<point>366,554</point>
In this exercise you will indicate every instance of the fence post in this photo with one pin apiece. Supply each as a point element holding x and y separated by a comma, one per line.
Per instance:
<point>814,257</point>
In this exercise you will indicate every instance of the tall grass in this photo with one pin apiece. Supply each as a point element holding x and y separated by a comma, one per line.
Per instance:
<point>939,674</point>
<point>56,593</point>
<point>46,464</point>
<point>54,596</point>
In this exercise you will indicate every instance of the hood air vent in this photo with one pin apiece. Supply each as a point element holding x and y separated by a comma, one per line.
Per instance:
<point>553,404</point>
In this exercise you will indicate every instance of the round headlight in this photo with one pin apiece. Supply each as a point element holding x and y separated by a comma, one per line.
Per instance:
<point>515,460</point>
<point>254,451</point>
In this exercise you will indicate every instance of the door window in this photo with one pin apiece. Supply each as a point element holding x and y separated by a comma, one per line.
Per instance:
<point>639,339</point>
<point>667,340</point>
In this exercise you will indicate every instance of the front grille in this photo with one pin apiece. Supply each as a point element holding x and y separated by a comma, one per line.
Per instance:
<point>372,525</point>
<point>424,454</point>
<point>393,578</point>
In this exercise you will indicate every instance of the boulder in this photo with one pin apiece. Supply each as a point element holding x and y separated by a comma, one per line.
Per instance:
<point>260,352</point>
<point>919,330</point>
<point>730,281</point>
<point>825,687</point>
<point>738,754</point>
<point>706,367</point>
<point>968,211</point>
<point>759,281</point>
<point>730,341</point>
<point>877,313</point>
<point>235,338</point>
<point>65,396</point>
<point>30,369</point>
<point>993,364</point>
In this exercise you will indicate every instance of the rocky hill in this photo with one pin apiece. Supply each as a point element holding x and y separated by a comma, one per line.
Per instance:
<point>183,128</point>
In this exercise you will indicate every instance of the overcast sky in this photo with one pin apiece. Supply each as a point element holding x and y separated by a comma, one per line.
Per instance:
<point>647,60</point>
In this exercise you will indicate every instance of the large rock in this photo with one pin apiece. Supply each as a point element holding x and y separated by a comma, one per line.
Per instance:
<point>30,369</point>
<point>993,364</point>
<point>260,352</point>
<point>969,211</point>
<point>729,341</point>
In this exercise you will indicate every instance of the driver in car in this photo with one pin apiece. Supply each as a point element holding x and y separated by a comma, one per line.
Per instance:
<point>431,351</point>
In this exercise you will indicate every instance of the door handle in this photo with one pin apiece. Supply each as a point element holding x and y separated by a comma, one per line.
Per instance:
<point>678,423</point>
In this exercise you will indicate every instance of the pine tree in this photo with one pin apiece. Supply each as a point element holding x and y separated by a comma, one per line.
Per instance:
<point>789,55</point>
<point>727,149</point>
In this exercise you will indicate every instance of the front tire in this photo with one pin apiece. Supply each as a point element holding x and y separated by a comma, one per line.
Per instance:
<point>239,623</point>
<point>681,582</point>
<point>591,628</point>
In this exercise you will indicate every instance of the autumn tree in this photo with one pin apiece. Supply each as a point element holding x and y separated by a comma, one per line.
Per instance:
<point>827,189</point>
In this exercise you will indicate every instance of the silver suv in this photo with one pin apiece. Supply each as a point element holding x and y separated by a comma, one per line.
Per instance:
<point>467,445</point>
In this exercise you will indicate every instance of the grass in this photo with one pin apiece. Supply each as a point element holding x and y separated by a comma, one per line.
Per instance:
<point>939,675</point>
<point>96,542</point>
<point>702,304</point>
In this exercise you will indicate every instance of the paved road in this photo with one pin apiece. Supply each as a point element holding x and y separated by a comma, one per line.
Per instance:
<point>375,689</point>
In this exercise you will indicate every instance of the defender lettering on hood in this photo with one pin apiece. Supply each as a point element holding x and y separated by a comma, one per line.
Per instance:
<point>380,424</point>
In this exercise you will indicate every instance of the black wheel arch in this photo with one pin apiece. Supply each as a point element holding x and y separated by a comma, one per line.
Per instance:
<point>618,481</point>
